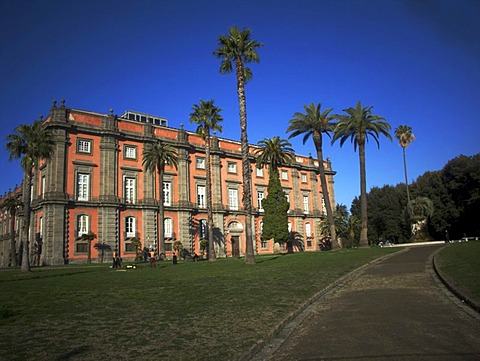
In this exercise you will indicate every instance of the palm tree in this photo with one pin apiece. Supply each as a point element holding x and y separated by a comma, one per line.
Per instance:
<point>208,118</point>
<point>31,143</point>
<point>155,158</point>
<point>358,125</point>
<point>237,47</point>
<point>88,237</point>
<point>274,152</point>
<point>314,123</point>
<point>11,204</point>
<point>404,135</point>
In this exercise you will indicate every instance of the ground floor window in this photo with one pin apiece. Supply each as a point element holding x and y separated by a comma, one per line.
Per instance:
<point>81,247</point>
<point>263,244</point>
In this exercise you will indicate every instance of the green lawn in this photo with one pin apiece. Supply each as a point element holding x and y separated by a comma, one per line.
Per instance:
<point>188,311</point>
<point>459,263</point>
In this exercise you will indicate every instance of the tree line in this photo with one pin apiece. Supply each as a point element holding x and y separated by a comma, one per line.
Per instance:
<point>444,205</point>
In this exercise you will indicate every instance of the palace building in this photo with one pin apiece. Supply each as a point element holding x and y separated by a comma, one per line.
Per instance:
<point>95,182</point>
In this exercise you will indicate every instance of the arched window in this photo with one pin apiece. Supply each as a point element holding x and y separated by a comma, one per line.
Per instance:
<point>308,230</point>
<point>130,226</point>
<point>168,228</point>
<point>83,224</point>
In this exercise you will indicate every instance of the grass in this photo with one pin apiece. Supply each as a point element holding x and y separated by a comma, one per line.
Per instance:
<point>188,311</point>
<point>459,263</point>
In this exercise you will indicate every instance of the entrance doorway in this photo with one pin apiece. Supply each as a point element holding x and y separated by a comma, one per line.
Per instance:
<point>235,246</point>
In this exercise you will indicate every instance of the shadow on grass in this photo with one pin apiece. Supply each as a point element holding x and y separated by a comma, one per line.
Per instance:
<point>266,259</point>
<point>75,352</point>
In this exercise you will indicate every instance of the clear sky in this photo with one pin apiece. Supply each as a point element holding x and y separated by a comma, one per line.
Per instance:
<point>416,62</point>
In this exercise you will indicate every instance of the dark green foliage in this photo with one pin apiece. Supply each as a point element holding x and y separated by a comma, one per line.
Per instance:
<point>454,193</point>
<point>275,220</point>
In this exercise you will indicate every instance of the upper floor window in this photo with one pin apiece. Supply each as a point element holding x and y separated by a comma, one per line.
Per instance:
<point>84,145</point>
<point>305,204</point>
<point>232,167</point>
<point>43,187</point>
<point>83,187</point>
<point>324,209</point>
<point>259,172</point>
<point>200,162</point>
<point>284,175</point>
<point>304,177</point>
<point>130,152</point>
<point>167,193</point>
<point>129,190</point>
<point>201,198</point>
<point>233,199</point>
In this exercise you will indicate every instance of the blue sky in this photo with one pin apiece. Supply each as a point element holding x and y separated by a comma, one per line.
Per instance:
<point>416,62</point>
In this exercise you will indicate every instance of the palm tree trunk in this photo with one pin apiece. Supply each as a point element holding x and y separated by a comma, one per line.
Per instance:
<point>161,212</point>
<point>247,189</point>
<point>363,196</point>
<point>317,138</point>
<point>27,193</point>
<point>211,245</point>
<point>13,255</point>
<point>406,176</point>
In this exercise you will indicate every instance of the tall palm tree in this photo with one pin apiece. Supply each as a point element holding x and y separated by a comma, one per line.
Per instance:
<point>358,125</point>
<point>11,204</point>
<point>208,118</point>
<point>155,158</point>
<point>31,143</point>
<point>274,153</point>
<point>314,123</point>
<point>404,135</point>
<point>237,47</point>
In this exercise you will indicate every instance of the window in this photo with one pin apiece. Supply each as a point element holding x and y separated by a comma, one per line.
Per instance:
<point>43,187</point>
<point>263,242</point>
<point>130,227</point>
<point>40,227</point>
<point>304,177</point>
<point>259,172</point>
<point>289,226</point>
<point>167,193</point>
<point>83,183</point>
<point>201,196</point>
<point>284,175</point>
<point>130,152</point>
<point>233,199</point>
<point>287,197</point>
<point>324,209</point>
<point>260,196</point>
<point>305,204</point>
<point>129,190</point>
<point>82,224</point>
<point>308,229</point>
<point>203,229</point>
<point>232,167</point>
<point>168,228</point>
<point>200,162</point>
<point>84,146</point>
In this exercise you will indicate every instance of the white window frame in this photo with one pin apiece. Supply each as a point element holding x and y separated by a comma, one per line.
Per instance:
<point>203,228</point>
<point>284,175</point>
<point>232,167</point>
<point>130,226</point>
<point>259,172</point>
<point>130,152</point>
<point>306,204</point>
<point>168,227</point>
<point>233,199</point>
<point>200,162</point>
<point>304,177</point>
<point>84,146</point>
<point>324,209</point>
<point>260,197</point>
<point>129,189</point>
<point>201,196</point>
<point>83,186</point>
<point>308,229</point>
<point>43,186</point>
<point>83,224</point>
<point>40,227</point>
<point>167,193</point>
